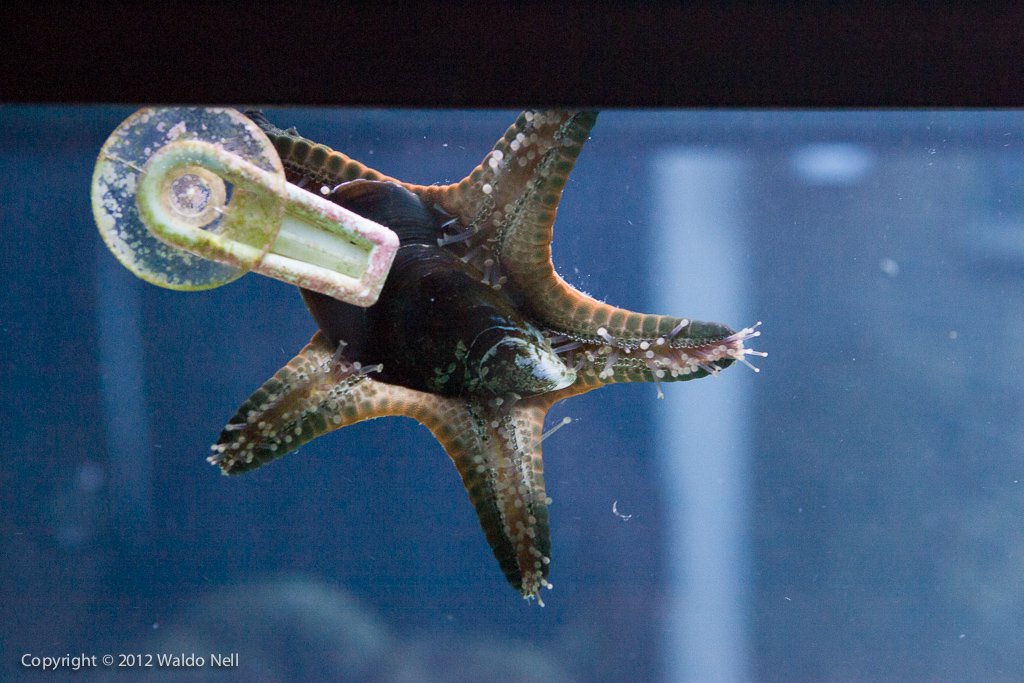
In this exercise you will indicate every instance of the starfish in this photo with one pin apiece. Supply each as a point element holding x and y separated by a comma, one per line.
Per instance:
<point>489,239</point>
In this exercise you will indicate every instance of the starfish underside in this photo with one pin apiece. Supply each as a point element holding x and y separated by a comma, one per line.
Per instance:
<point>498,221</point>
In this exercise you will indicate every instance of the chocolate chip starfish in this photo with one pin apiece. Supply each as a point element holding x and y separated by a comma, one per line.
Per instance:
<point>482,244</point>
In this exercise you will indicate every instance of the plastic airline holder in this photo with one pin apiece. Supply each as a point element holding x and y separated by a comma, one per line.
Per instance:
<point>193,198</point>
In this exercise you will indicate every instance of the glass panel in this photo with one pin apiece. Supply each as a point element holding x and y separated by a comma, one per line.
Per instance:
<point>852,512</point>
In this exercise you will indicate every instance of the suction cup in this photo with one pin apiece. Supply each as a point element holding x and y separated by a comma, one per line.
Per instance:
<point>177,196</point>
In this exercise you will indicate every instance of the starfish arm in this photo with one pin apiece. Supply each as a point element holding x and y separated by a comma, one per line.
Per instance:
<point>518,188</point>
<point>306,161</point>
<point>319,391</point>
<point>600,359</point>
<point>495,449</point>
<point>316,392</point>
<point>509,203</point>
<point>519,182</point>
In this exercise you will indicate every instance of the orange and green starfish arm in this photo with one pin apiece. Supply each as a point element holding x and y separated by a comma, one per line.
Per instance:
<point>494,445</point>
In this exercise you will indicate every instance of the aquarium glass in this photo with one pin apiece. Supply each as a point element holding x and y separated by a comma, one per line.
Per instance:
<point>852,512</point>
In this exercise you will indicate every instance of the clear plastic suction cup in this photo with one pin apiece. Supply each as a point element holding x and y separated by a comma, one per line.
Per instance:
<point>180,196</point>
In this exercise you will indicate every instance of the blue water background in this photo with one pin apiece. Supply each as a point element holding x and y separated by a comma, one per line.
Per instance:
<point>883,534</point>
